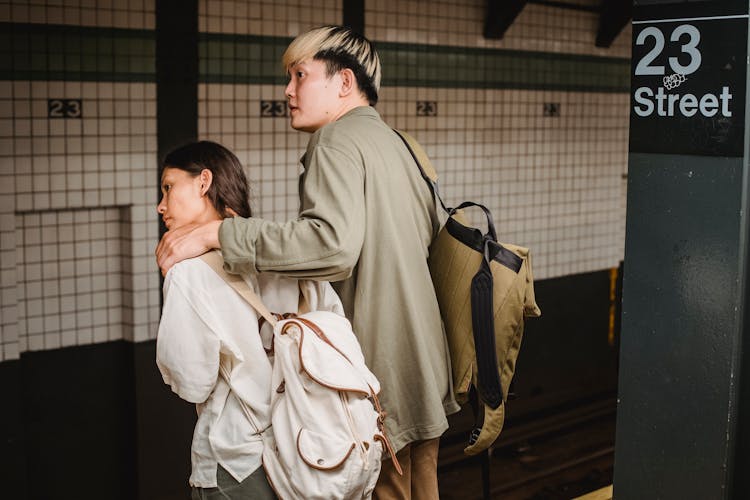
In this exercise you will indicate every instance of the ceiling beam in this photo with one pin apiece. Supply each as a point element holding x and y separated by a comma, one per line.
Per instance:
<point>500,14</point>
<point>614,15</point>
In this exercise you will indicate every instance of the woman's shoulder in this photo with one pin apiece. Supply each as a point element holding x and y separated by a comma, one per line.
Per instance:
<point>187,270</point>
<point>197,276</point>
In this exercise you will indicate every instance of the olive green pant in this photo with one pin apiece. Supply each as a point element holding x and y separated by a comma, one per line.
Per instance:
<point>254,486</point>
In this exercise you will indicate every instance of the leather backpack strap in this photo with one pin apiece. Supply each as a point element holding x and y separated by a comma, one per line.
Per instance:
<point>383,436</point>
<point>216,261</point>
<point>416,150</point>
<point>429,174</point>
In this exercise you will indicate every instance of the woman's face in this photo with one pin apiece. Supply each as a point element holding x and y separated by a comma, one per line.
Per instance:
<point>182,198</point>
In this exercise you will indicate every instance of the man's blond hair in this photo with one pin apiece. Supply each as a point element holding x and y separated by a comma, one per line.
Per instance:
<point>340,48</point>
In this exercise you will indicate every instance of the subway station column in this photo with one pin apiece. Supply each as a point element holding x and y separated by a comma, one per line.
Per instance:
<point>164,423</point>
<point>682,420</point>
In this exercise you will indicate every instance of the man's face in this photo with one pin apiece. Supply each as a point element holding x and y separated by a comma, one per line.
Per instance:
<point>314,98</point>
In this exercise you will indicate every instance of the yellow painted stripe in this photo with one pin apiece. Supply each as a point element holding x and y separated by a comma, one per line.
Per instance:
<point>612,297</point>
<point>601,494</point>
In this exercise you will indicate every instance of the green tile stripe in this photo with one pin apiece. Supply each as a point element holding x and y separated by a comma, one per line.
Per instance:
<point>241,58</point>
<point>54,52</point>
<point>413,65</point>
<point>255,59</point>
<point>76,53</point>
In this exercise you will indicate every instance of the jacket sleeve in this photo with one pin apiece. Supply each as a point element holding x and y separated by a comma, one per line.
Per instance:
<point>323,242</point>
<point>187,349</point>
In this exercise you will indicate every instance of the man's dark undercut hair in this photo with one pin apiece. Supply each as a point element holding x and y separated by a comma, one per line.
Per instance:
<point>337,60</point>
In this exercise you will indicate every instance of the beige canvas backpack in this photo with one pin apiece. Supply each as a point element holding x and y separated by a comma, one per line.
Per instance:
<point>327,435</point>
<point>485,290</point>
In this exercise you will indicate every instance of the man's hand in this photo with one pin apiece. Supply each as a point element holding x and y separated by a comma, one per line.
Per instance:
<point>186,242</point>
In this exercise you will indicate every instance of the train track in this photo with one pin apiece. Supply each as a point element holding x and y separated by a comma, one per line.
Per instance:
<point>559,454</point>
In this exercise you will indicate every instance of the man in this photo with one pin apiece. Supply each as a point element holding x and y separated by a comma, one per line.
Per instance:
<point>366,221</point>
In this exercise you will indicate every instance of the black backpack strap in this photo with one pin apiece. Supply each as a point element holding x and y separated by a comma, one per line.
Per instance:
<point>483,317</point>
<point>491,233</point>
<point>483,328</point>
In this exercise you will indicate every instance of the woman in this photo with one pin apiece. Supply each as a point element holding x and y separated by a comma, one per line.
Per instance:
<point>209,347</point>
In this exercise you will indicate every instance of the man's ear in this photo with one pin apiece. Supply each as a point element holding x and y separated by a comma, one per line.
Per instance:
<point>348,82</point>
<point>206,177</point>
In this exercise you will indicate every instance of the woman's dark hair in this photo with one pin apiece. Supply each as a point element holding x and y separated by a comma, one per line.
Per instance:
<point>229,188</point>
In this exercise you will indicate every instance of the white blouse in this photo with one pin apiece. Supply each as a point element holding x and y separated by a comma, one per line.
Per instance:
<point>207,327</point>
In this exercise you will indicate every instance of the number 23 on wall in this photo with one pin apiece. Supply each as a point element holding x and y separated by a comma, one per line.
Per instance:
<point>645,66</point>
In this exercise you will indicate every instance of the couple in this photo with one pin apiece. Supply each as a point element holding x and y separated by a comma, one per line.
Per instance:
<point>366,221</point>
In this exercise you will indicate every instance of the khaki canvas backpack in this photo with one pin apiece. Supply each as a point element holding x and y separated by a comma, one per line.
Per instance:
<point>485,290</point>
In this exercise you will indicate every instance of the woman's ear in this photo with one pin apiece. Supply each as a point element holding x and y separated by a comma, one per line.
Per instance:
<point>206,177</point>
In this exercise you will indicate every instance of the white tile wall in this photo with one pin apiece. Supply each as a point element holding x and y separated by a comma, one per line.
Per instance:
<point>72,278</point>
<point>103,165</point>
<point>554,184</point>
<point>77,196</point>
<point>89,186</point>
<point>269,150</point>
<point>266,17</point>
<point>133,14</point>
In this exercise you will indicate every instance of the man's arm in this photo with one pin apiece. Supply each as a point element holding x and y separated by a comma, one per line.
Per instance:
<point>324,242</point>
<point>186,242</point>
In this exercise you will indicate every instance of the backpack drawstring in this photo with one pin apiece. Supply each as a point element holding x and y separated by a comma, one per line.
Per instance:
<point>383,436</point>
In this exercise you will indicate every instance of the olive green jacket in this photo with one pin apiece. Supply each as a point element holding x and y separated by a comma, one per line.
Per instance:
<point>366,221</point>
